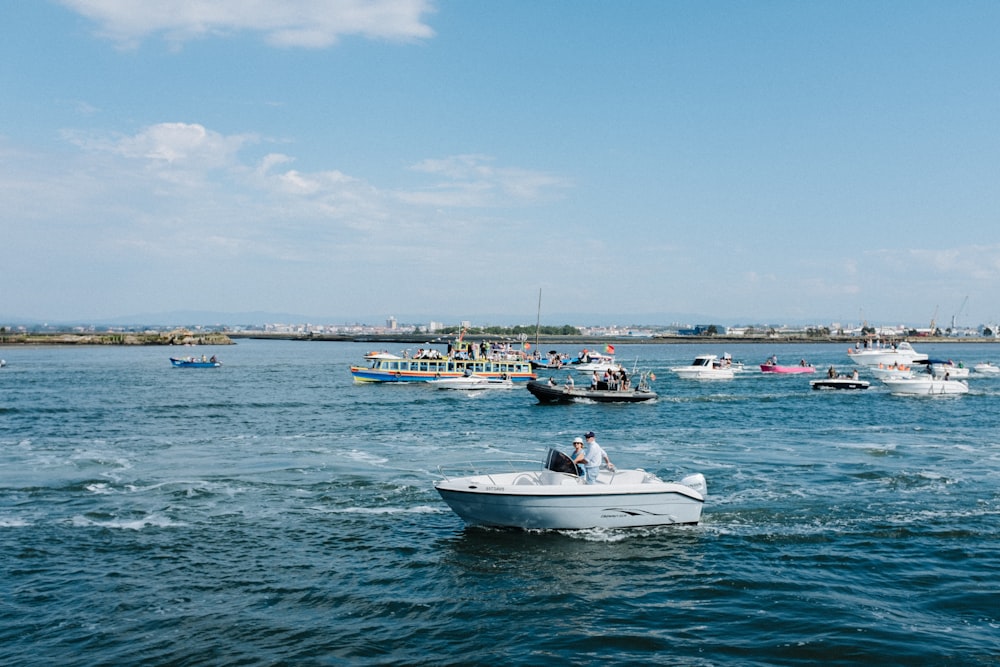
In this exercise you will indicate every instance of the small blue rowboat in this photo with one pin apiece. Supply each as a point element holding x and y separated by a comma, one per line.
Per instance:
<point>195,363</point>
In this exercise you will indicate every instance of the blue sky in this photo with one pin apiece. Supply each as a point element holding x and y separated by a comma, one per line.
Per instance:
<point>738,162</point>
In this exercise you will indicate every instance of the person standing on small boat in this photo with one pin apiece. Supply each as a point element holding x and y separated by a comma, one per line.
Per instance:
<point>595,456</point>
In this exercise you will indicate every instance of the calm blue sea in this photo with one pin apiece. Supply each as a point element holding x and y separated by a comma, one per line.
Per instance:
<point>270,512</point>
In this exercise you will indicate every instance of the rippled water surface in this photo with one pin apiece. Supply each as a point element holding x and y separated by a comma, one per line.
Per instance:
<point>272,512</point>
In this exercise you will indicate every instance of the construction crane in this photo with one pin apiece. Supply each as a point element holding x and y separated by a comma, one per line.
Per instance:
<point>957,313</point>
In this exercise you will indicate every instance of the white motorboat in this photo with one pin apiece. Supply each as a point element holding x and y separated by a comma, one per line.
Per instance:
<point>594,361</point>
<point>553,497</point>
<point>472,382</point>
<point>375,354</point>
<point>987,368</point>
<point>900,354</point>
<point>942,369</point>
<point>926,385</point>
<point>706,367</point>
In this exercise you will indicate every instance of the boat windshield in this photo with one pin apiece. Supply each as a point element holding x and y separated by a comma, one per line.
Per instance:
<point>559,462</point>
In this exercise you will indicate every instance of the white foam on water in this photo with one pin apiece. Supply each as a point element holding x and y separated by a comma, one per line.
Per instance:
<point>151,521</point>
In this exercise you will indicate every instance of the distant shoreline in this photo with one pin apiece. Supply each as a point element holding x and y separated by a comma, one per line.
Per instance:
<point>600,340</point>
<point>71,339</point>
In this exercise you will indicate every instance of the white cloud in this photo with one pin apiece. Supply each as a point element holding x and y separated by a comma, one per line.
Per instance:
<point>284,23</point>
<point>473,181</point>
<point>176,143</point>
<point>978,262</point>
<point>169,144</point>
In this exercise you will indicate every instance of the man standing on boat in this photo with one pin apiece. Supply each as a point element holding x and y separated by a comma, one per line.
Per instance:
<point>595,456</point>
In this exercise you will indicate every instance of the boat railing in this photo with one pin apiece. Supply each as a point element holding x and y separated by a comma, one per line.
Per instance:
<point>486,468</point>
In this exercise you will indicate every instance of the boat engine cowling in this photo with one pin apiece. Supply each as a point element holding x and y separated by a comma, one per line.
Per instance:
<point>696,482</point>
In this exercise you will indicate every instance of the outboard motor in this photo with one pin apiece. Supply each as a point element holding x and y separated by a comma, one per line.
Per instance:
<point>696,482</point>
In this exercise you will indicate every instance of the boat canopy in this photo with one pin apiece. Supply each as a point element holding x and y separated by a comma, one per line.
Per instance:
<point>556,461</point>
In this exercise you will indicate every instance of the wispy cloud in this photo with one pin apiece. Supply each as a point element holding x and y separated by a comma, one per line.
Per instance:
<point>288,23</point>
<point>168,143</point>
<point>474,181</point>
<point>979,262</point>
<point>171,184</point>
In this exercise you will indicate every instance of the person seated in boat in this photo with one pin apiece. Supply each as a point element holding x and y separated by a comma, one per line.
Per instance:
<point>802,362</point>
<point>578,458</point>
<point>569,381</point>
<point>552,382</point>
<point>213,359</point>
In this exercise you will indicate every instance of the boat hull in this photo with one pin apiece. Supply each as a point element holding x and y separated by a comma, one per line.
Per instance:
<point>891,373</point>
<point>546,393</point>
<point>786,370</point>
<point>926,387</point>
<point>471,384</point>
<point>184,363</point>
<point>694,373</point>
<point>839,384</point>
<point>540,501</point>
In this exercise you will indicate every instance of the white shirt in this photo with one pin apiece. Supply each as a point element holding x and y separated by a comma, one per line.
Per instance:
<point>595,455</point>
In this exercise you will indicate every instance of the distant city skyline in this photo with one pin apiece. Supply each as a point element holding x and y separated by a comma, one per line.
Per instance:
<point>729,162</point>
<point>583,321</point>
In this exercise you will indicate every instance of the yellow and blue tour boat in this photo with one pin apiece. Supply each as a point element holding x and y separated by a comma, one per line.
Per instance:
<point>486,359</point>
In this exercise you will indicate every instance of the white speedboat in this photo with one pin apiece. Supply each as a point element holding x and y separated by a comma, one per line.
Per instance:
<point>987,368</point>
<point>375,354</point>
<point>925,385</point>
<point>553,497</point>
<point>472,382</point>
<point>597,362</point>
<point>945,369</point>
<point>900,354</point>
<point>706,367</point>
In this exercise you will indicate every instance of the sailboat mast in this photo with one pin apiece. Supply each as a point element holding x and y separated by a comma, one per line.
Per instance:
<point>538,318</point>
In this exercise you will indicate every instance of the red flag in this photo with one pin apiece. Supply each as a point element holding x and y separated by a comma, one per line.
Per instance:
<point>610,349</point>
